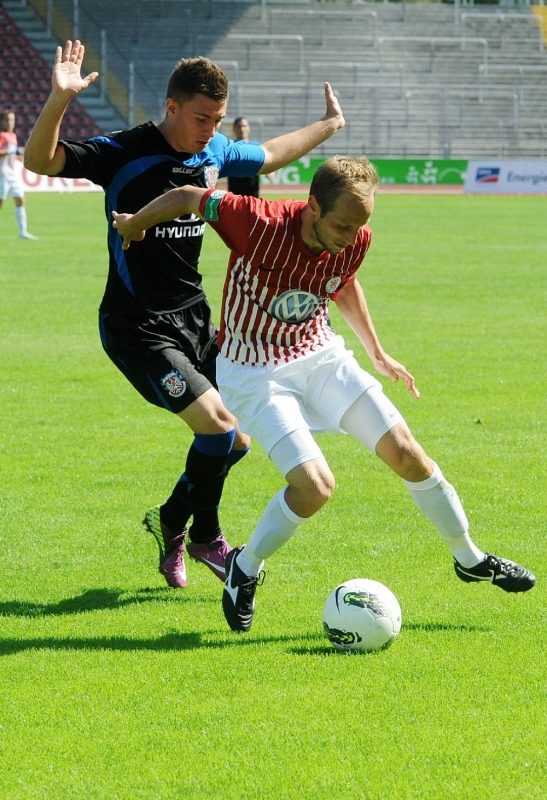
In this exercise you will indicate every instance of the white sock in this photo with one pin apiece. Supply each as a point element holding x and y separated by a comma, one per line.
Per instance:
<point>275,527</point>
<point>21,214</point>
<point>439,502</point>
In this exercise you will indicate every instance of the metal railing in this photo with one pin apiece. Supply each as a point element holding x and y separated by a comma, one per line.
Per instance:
<point>120,82</point>
<point>323,16</point>
<point>355,70</point>
<point>520,69</point>
<point>501,17</point>
<point>252,38</point>
<point>433,41</point>
<point>464,94</point>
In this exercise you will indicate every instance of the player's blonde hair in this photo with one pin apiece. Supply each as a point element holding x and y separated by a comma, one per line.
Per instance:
<point>342,174</point>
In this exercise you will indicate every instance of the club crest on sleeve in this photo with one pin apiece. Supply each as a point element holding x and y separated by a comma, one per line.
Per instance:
<point>173,383</point>
<point>333,284</point>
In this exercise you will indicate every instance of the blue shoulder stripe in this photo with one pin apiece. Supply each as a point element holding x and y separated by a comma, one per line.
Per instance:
<point>106,140</point>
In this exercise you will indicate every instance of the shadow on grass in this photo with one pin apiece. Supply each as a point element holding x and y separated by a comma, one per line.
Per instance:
<point>171,642</point>
<point>428,627</point>
<point>434,627</point>
<point>98,600</point>
<point>178,642</point>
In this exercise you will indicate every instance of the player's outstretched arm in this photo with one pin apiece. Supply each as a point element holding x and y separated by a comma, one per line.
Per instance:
<point>353,307</point>
<point>43,153</point>
<point>291,146</point>
<point>172,204</point>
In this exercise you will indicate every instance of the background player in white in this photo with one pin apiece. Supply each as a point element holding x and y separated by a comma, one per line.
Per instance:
<point>11,183</point>
<point>284,372</point>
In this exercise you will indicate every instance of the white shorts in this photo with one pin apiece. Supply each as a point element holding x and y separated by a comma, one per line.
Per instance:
<point>311,393</point>
<point>11,187</point>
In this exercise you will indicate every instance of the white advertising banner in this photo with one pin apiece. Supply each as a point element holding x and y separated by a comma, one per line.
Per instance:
<point>506,177</point>
<point>43,183</point>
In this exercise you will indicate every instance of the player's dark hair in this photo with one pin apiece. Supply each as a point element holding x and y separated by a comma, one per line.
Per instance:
<point>197,76</point>
<point>342,174</point>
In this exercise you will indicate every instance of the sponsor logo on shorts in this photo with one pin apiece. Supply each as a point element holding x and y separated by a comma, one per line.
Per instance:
<point>174,383</point>
<point>294,306</point>
<point>211,205</point>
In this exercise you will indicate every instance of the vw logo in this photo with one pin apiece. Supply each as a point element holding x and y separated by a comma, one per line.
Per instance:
<point>294,306</point>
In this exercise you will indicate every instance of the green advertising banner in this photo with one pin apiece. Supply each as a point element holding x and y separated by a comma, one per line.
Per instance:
<point>409,172</point>
<point>424,172</point>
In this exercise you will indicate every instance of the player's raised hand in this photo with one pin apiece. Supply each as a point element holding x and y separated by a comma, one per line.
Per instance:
<point>334,110</point>
<point>67,75</point>
<point>127,230</point>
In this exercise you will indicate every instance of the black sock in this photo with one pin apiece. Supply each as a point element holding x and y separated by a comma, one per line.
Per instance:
<point>197,493</point>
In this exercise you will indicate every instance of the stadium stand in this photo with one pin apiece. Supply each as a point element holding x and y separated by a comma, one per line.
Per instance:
<point>416,79</point>
<point>25,84</point>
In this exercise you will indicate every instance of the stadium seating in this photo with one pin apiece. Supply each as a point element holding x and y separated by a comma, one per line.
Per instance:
<point>25,84</point>
<point>420,79</point>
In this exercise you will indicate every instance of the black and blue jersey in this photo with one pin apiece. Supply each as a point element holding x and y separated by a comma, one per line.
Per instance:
<point>160,274</point>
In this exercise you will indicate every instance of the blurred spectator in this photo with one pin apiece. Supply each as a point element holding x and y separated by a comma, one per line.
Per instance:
<point>247,186</point>
<point>11,182</point>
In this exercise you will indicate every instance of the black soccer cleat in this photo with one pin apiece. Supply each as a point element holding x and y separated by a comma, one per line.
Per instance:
<point>508,575</point>
<point>238,597</point>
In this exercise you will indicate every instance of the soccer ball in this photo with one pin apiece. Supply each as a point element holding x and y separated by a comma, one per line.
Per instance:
<point>361,615</point>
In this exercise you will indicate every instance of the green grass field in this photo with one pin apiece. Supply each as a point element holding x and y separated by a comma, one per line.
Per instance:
<point>113,686</point>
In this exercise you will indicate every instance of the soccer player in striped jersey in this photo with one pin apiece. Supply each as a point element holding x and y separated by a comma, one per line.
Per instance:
<point>285,374</point>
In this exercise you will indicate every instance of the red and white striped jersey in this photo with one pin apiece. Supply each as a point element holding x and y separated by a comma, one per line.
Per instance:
<point>8,141</point>
<point>276,294</point>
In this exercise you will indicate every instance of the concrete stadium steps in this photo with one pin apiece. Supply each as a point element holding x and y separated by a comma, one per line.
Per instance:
<point>104,115</point>
<point>404,75</point>
<point>437,78</point>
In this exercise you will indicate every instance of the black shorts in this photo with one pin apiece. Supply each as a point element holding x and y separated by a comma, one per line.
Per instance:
<point>168,358</point>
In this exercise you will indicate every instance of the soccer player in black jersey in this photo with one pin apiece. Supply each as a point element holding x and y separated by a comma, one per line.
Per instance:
<point>154,319</point>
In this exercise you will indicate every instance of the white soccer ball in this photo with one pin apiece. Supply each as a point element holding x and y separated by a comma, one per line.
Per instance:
<point>362,615</point>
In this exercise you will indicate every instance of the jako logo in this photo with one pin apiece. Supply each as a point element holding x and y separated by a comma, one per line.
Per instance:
<point>488,174</point>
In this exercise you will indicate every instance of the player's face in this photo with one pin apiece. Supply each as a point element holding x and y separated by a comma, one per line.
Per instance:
<point>339,227</point>
<point>242,130</point>
<point>190,126</point>
<point>8,122</point>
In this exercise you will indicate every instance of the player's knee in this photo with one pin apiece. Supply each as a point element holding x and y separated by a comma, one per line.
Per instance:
<point>310,487</point>
<point>220,417</point>
<point>414,465</point>
<point>323,487</point>
<point>242,441</point>
<point>400,451</point>
<point>224,422</point>
<point>208,415</point>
